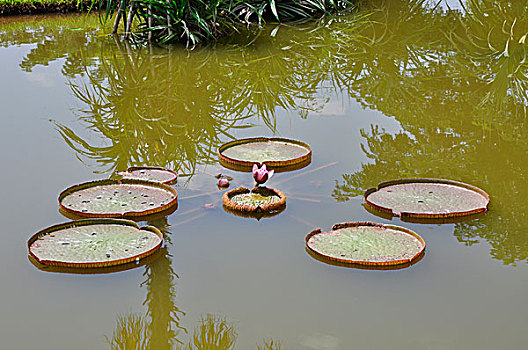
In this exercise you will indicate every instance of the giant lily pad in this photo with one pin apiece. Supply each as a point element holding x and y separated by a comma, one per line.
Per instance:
<point>366,243</point>
<point>125,198</point>
<point>427,198</point>
<point>277,153</point>
<point>260,199</point>
<point>94,243</point>
<point>150,173</point>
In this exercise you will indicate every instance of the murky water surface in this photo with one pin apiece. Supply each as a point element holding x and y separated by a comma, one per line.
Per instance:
<point>395,94</point>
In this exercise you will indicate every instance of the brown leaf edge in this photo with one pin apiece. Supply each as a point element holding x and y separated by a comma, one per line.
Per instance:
<point>277,165</point>
<point>362,266</point>
<point>91,265</point>
<point>172,181</point>
<point>255,215</point>
<point>409,216</point>
<point>416,220</point>
<point>271,207</point>
<point>99,270</point>
<point>166,208</point>
<point>417,257</point>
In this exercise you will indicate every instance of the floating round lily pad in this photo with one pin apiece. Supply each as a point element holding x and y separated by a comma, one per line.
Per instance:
<point>126,198</point>
<point>259,199</point>
<point>279,154</point>
<point>150,173</point>
<point>366,243</point>
<point>427,198</point>
<point>94,243</point>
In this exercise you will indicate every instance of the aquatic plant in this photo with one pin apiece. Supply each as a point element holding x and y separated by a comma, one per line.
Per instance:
<point>194,21</point>
<point>281,154</point>
<point>223,183</point>
<point>259,199</point>
<point>470,154</point>
<point>426,199</point>
<point>126,198</point>
<point>366,243</point>
<point>94,243</point>
<point>261,175</point>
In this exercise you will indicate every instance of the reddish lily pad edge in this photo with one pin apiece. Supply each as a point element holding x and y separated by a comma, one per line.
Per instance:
<point>99,270</point>
<point>409,216</point>
<point>256,215</point>
<point>172,181</point>
<point>169,207</point>
<point>277,165</point>
<point>381,264</point>
<point>93,265</point>
<point>270,207</point>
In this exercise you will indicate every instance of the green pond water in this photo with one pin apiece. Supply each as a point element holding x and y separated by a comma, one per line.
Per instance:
<point>401,92</point>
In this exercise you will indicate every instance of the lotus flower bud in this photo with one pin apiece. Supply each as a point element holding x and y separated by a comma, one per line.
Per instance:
<point>223,183</point>
<point>261,175</point>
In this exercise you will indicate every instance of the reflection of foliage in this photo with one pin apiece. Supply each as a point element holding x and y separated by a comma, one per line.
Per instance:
<point>160,327</point>
<point>129,334</point>
<point>461,109</point>
<point>150,119</point>
<point>213,334</point>
<point>269,345</point>
<point>498,167</point>
<point>492,46</point>
<point>165,315</point>
<point>66,37</point>
<point>169,110</point>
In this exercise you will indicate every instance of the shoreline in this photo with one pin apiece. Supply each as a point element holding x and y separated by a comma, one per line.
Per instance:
<point>43,7</point>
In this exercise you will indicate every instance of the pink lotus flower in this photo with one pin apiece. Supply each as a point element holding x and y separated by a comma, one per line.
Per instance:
<point>223,183</point>
<point>261,175</point>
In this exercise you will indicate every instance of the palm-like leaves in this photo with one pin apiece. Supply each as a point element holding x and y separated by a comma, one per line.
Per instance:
<point>193,21</point>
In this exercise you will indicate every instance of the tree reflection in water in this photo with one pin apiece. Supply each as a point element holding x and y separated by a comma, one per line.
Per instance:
<point>147,111</point>
<point>461,105</point>
<point>213,333</point>
<point>160,328</point>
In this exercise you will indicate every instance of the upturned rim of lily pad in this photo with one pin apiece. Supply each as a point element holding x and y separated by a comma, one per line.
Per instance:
<point>422,217</point>
<point>277,165</point>
<point>163,210</point>
<point>373,264</point>
<point>93,265</point>
<point>363,266</point>
<point>148,217</point>
<point>171,181</point>
<point>255,215</point>
<point>421,220</point>
<point>270,207</point>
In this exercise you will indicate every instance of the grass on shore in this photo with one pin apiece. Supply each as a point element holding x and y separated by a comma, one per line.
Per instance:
<point>51,2</point>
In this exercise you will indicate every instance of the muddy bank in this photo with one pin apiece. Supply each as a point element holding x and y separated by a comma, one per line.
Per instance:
<point>43,7</point>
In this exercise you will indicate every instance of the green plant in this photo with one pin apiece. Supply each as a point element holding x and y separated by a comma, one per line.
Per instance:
<point>192,21</point>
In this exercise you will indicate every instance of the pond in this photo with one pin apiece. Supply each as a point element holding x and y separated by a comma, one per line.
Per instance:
<point>399,92</point>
